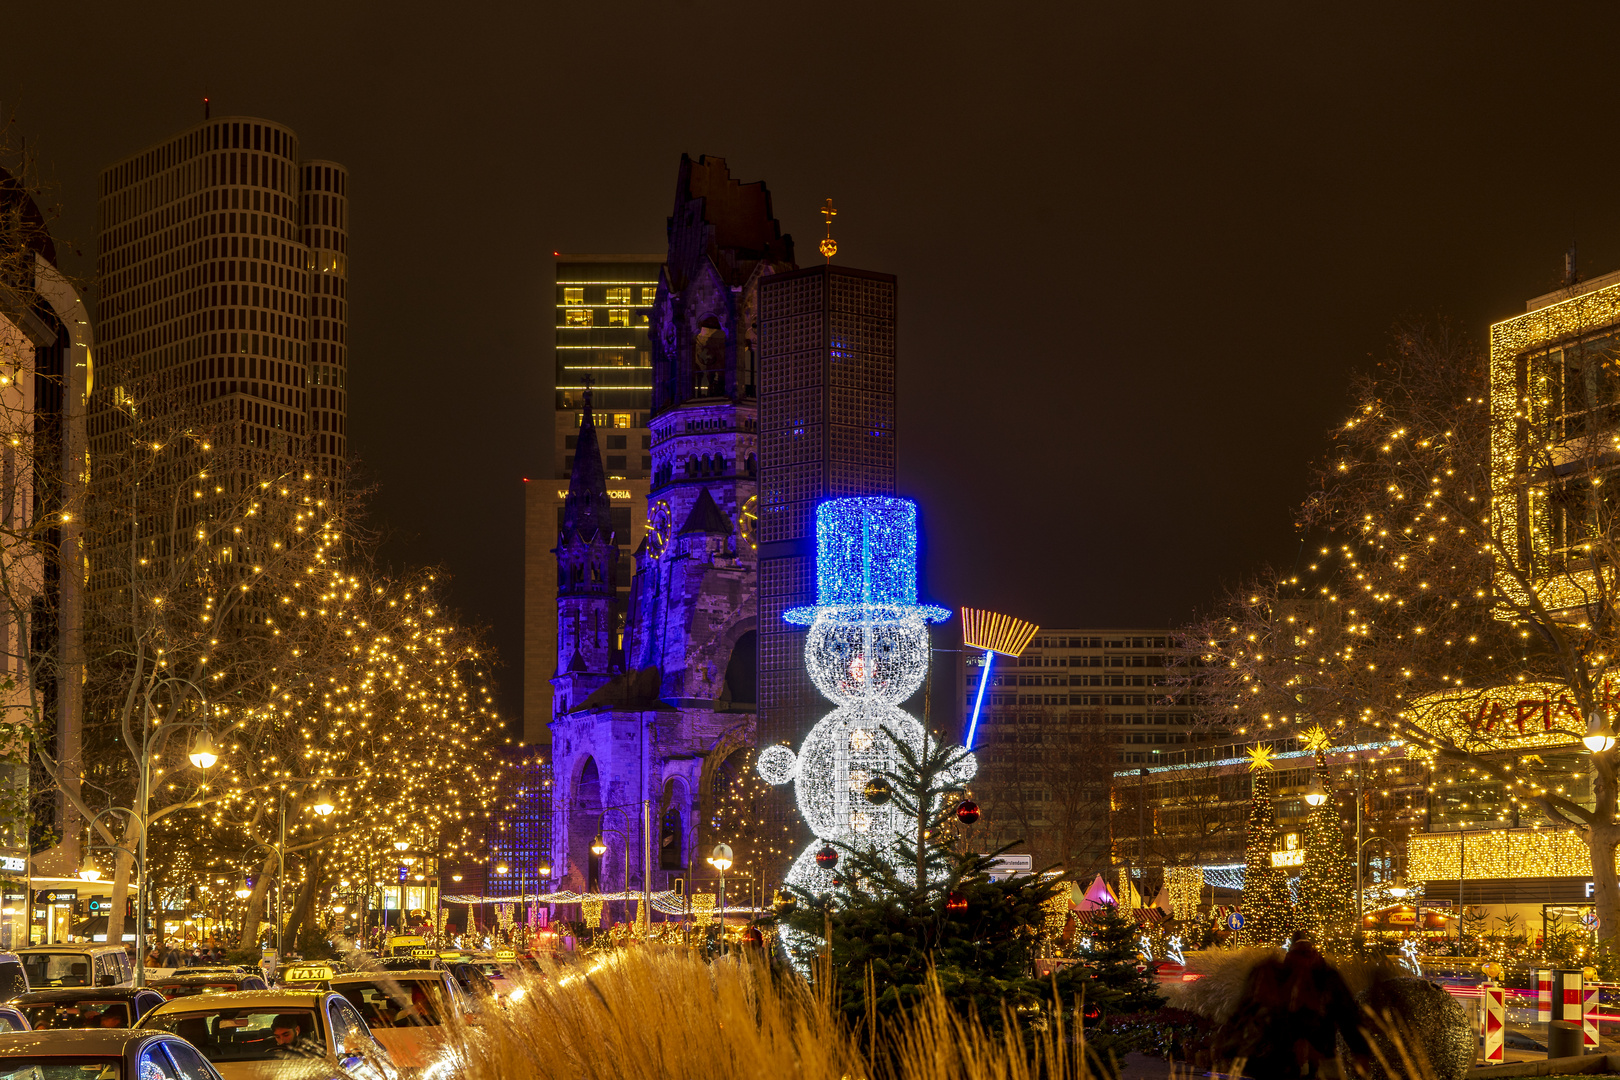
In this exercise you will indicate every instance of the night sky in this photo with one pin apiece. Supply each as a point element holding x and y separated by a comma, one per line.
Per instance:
<point>1140,247</point>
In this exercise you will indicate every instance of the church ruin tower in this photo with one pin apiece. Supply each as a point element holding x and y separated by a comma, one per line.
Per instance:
<point>587,553</point>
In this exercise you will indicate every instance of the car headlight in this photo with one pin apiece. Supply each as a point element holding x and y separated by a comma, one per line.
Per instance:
<point>515,994</point>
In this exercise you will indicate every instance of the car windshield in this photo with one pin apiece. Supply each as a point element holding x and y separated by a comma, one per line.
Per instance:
<point>241,1034</point>
<point>491,970</point>
<point>77,1014</point>
<point>60,1068</point>
<point>395,1003</point>
<point>191,989</point>
<point>57,969</point>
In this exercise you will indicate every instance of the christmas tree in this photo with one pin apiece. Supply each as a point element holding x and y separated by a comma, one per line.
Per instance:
<point>896,917</point>
<point>1115,958</point>
<point>1327,883</point>
<point>1267,910</point>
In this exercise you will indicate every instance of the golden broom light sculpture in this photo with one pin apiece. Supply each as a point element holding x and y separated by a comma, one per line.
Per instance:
<point>994,633</point>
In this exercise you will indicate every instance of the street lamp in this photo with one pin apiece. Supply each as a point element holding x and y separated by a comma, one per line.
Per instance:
<point>203,751</point>
<point>89,871</point>
<point>1316,794</point>
<point>1397,889</point>
<point>1599,734</point>
<point>323,804</point>
<point>244,890</point>
<point>598,846</point>
<point>720,859</point>
<point>401,845</point>
<point>501,867</point>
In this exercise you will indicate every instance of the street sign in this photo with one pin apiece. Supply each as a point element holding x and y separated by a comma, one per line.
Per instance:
<point>1590,920</point>
<point>1011,866</point>
<point>11,864</point>
<point>402,875</point>
<point>57,896</point>
<point>1234,921</point>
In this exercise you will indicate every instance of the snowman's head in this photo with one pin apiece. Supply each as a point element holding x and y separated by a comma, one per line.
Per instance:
<point>867,653</point>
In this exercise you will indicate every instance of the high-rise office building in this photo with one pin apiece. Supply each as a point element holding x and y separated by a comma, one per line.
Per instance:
<point>600,341</point>
<point>826,428</point>
<point>224,271</point>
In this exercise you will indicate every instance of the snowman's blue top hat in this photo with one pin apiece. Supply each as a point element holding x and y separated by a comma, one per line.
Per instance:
<point>866,562</point>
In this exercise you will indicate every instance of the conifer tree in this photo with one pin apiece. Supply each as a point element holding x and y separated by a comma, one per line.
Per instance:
<point>1115,958</point>
<point>922,907</point>
<point>1327,882</point>
<point>1267,909</point>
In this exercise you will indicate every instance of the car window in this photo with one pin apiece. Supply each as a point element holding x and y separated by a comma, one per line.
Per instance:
<point>242,1034</point>
<point>57,969</point>
<point>12,1021</point>
<point>398,1003</point>
<point>188,1064</point>
<point>60,1068</point>
<point>155,1065</point>
<point>342,1027</point>
<point>12,980</point>
<point>77,1014</point>
<point>145,1002</point>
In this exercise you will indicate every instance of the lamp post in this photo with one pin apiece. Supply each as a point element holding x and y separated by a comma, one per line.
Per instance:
<point>720,859</point>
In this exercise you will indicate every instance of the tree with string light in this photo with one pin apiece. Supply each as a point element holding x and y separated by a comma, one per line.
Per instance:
<point>1463,541</point>
<point>1268,913</point>
<point>1327,881</point>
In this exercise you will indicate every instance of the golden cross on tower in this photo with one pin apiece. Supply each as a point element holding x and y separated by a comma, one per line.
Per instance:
<point>829,246</point>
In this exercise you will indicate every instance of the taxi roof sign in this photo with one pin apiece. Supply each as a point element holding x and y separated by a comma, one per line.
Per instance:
<point>424,954</point>
<point>506,954</point>
<point>308,973</point>
<point>401,942</point>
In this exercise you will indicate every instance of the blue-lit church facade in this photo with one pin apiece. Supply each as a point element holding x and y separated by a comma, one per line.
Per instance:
<point>654,704</point>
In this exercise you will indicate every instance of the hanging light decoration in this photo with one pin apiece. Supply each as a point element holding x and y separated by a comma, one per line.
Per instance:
<point>827,858</point>
<point>878,791</point>
<point>967,812</point>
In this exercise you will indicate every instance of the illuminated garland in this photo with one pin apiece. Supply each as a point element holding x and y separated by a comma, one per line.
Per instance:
<point>592,911</point>
<point>1185,884</point>
<point>703,908</point>
<point>1498,853</point>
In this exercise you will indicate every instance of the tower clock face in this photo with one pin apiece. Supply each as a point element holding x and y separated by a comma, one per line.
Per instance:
<point>660,523</point>
<point>748,523</point>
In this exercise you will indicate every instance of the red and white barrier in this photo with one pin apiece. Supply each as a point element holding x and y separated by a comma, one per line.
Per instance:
<point>1572,997</point>
<point>1544,996</point>
<point>1495,1025</point>
<point>1589,1015</point>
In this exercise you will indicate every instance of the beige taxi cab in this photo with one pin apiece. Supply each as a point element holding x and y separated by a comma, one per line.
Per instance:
<point>260,1034</point>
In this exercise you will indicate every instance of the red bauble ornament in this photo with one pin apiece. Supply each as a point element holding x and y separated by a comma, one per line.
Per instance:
<point>826,858</point>
<point>967,813</point>
<point>955,902</point>
<point>838,883</point>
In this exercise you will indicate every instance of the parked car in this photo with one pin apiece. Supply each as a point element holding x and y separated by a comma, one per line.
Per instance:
<point>256,1034</point>
<point>109,1054</point>
<point>12,1019</point>
<point>85,964</point>
<point>407,963</point>
<point>89,1006</point>
<point>218,982</point>
<point>407,1011</point>
<point>13,979</point>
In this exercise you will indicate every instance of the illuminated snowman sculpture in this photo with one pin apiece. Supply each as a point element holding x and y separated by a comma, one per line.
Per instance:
<point>867,651</point>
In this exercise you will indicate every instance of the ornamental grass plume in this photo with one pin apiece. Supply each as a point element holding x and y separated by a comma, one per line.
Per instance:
<point>646,1013</point>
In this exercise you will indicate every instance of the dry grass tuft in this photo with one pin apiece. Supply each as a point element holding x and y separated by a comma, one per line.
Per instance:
<point>652,1015</point>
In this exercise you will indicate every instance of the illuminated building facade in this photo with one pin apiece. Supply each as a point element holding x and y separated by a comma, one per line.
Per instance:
<point>602,305</point>
<point>1553,395</point>
<point>224,273</point>
<point>826,340</point>
<point>650,723</point>
<point>45,345</point>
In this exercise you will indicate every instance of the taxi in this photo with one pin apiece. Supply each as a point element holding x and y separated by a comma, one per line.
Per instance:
<point>264,1034</point>
<point>408,1011</point>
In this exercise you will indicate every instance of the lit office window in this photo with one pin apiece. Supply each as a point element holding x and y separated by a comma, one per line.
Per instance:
<point>621,419</point>
<point>648,295</point>
<point>579,316</point>
<point>619,295</point>
<point>573,295</point>
<point>619,316</point>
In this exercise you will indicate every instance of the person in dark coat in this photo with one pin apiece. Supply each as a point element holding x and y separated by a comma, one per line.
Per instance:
<point>1292,1013</point>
